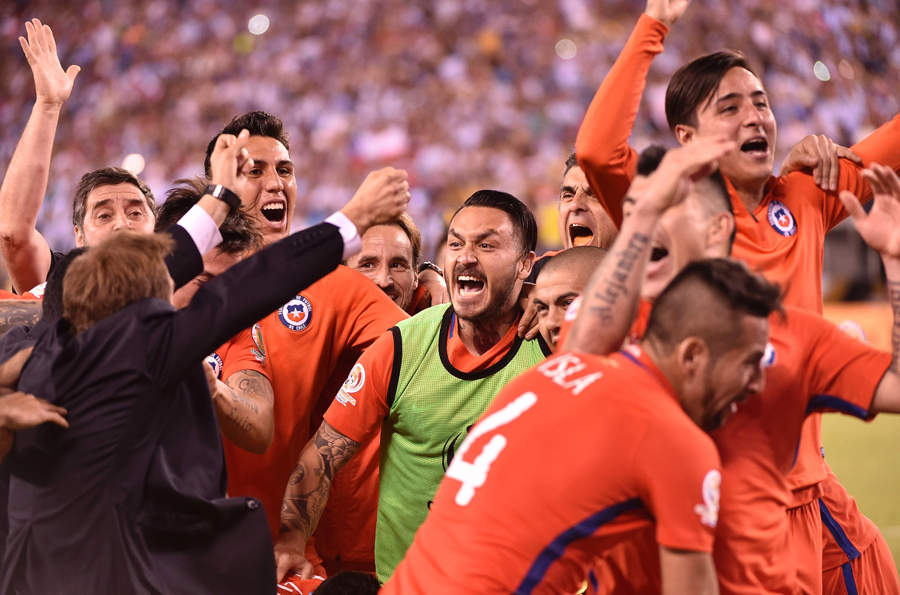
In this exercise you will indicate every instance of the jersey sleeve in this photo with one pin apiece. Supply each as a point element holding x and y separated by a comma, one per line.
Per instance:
<point>361,404</point>
<point>602,145</point>
<point>245,351</point>
<point>680,475</point>
<point>364,311</point>
<point>844,371</point>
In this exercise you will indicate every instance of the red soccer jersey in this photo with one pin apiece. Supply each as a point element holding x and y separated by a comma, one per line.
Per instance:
<point>302,343</point>
<point>520,509</point>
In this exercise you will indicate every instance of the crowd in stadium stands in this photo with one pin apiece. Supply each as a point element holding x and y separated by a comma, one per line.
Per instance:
<point>464,94</point>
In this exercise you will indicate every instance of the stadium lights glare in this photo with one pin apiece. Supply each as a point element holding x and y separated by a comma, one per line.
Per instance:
<point>821,72</point>
<point>566,49</point>
<point>133,163</point>
<point>259,24</point>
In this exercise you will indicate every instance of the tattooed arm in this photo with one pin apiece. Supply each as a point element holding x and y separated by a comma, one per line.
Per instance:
<point>16,312</point>
<point>307,494</point>
<point>611,299</point>
<point>880,229</point>
<point>245,408</point>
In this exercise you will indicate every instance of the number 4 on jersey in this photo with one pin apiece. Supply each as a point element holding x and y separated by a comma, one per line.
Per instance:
<point>474,474</point>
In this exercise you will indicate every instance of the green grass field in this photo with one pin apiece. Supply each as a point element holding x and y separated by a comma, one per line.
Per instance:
<point>866,458</point>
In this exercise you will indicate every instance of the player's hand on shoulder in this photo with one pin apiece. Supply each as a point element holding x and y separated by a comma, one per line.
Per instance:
<point>381,198</point>
<point>880,228</point>
<point>52,84</point>
<point>20,411</point>
<point>673,180</point>
<point>820,155</point>
<point>435,285</point>
<point>666,11</point>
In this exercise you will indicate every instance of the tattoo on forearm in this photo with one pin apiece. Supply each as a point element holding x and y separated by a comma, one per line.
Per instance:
<point>243,423</point>
<point>614,282</point>
<point>247,383</point>
<point>18,312</point>
<point>893,288</point>
<point>310,482</point>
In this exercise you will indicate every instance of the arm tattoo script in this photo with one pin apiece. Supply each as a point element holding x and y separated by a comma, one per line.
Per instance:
<point>248,383</point>
<point>310,482</point>
<point>614,283</point>
<point>17,312</point>
<point>893,288</point>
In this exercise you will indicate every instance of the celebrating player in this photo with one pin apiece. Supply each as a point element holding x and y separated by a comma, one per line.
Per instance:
<point>430,377</point>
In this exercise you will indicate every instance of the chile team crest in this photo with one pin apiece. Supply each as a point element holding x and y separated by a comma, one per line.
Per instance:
<point>781,218</point>
<point>296,314</point>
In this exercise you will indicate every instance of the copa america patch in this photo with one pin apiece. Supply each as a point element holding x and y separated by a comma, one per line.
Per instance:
<point>216,362</point>
<point>355,381</point>
<point>709,510</point>
<point>781,219</point>
<point>296,314</point>
<point>260,351</point>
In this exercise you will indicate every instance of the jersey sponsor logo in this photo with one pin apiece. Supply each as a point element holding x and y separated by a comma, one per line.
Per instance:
<point>781,218</point>
<point>573,309</point>
<point>768,358</point>
<point>216,362</point>
<point>709,510</point>
<point>450,446</point>
<point>473,475</point>
<point>296,314</point>
<point>259,352</point>
<point>559,369</point>
<point>354,383</point>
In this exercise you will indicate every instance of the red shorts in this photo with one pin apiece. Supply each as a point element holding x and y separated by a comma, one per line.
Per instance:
<point>872,573</point>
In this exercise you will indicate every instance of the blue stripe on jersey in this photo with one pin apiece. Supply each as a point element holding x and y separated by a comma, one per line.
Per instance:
<point>838,533</point>
<point>593,578</point>
<point>556,548</point>
<point>849,579</point>
<point>836,403</point>
<point>452,325</point>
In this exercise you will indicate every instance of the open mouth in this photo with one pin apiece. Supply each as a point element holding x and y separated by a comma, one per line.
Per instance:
<point>580,235</point>
<point>469,286</point>
<point>275,211</point>
<point>658,253</point>
<point>756,147</point>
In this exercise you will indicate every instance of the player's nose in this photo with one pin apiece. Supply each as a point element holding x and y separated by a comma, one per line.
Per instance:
<point>757,382</point>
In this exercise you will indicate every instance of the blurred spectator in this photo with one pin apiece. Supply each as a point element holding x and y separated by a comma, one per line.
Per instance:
<point>464,94</point>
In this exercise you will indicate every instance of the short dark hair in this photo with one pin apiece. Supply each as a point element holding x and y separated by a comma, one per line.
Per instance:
<point>705,299</point>
<point>107,176</point>
<point>406,223</point>
<point>240,232</point>
<point>257,123</point>
<point>649,161</point>
<point>695,82</point>
<point>571,161</point>
<point>521,216</point>
<point>125,268</point>
<point>52,304</point>
<point>349,583</point>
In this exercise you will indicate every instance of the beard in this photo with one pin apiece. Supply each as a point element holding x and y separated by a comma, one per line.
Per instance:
<point>500,292</point>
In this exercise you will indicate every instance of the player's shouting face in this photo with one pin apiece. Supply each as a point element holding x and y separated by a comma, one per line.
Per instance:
<point>485,264</point>
<point>272,187</point>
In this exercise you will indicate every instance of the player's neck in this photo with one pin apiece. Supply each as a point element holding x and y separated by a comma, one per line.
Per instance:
<point>751,193</point>
<point>480,336</point>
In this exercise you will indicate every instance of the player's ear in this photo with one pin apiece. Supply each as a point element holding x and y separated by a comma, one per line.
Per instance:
<point>684,133</point>
<point>523,268</point>
<point>79,237</point>
<point>692,357</point>
<point>719,234</point>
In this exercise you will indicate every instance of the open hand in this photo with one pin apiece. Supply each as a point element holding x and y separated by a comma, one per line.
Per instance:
<point>52,84</point>
<point>20,411</point>
<point>822,156</point>
<point>880,228</point>
<point>666,11</point>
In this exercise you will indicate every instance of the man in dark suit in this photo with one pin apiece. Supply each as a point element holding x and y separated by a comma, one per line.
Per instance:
<point>130,498</point>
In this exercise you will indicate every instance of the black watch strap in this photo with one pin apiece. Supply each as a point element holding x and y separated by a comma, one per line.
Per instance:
<point>430,265</point>
<point>225,195</point>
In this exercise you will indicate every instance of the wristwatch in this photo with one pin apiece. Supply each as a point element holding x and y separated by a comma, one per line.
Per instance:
<point>430,265</point>
<point>225,195</point>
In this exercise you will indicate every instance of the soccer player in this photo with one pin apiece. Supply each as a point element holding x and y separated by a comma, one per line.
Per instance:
<point>560,282</point>
<point>754,551</point>
<point>781,223</point>
<point>583,451</point>
<point>582,220</point>
<point>296,352</point>
<point>428,380</point>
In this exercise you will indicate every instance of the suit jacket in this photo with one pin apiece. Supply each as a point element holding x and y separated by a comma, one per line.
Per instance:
<point>131,498</point>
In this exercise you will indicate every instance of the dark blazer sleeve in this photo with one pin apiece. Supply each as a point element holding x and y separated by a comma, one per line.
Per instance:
<point>246,293</point>
<point>185,262</point>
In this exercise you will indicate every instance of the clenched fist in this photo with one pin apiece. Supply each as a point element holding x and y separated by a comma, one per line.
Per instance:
<point>381,198</point>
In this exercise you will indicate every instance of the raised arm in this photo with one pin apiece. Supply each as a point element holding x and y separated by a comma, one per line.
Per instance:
<point>880,229</point>
<point>307,494</point>
<point>602,145</point>
<point>610,301</point>
<point>24,250</point>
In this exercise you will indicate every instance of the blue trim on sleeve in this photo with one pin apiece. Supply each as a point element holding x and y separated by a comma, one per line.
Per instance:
<point>838,533</point>
<point>594,583</point>
<point>849,579</point>
<point>836,403</point>
<point>558,546</point>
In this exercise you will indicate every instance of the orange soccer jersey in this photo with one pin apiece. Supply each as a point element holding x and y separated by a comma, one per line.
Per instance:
<point>520,508</point>
<point>298,347</point>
